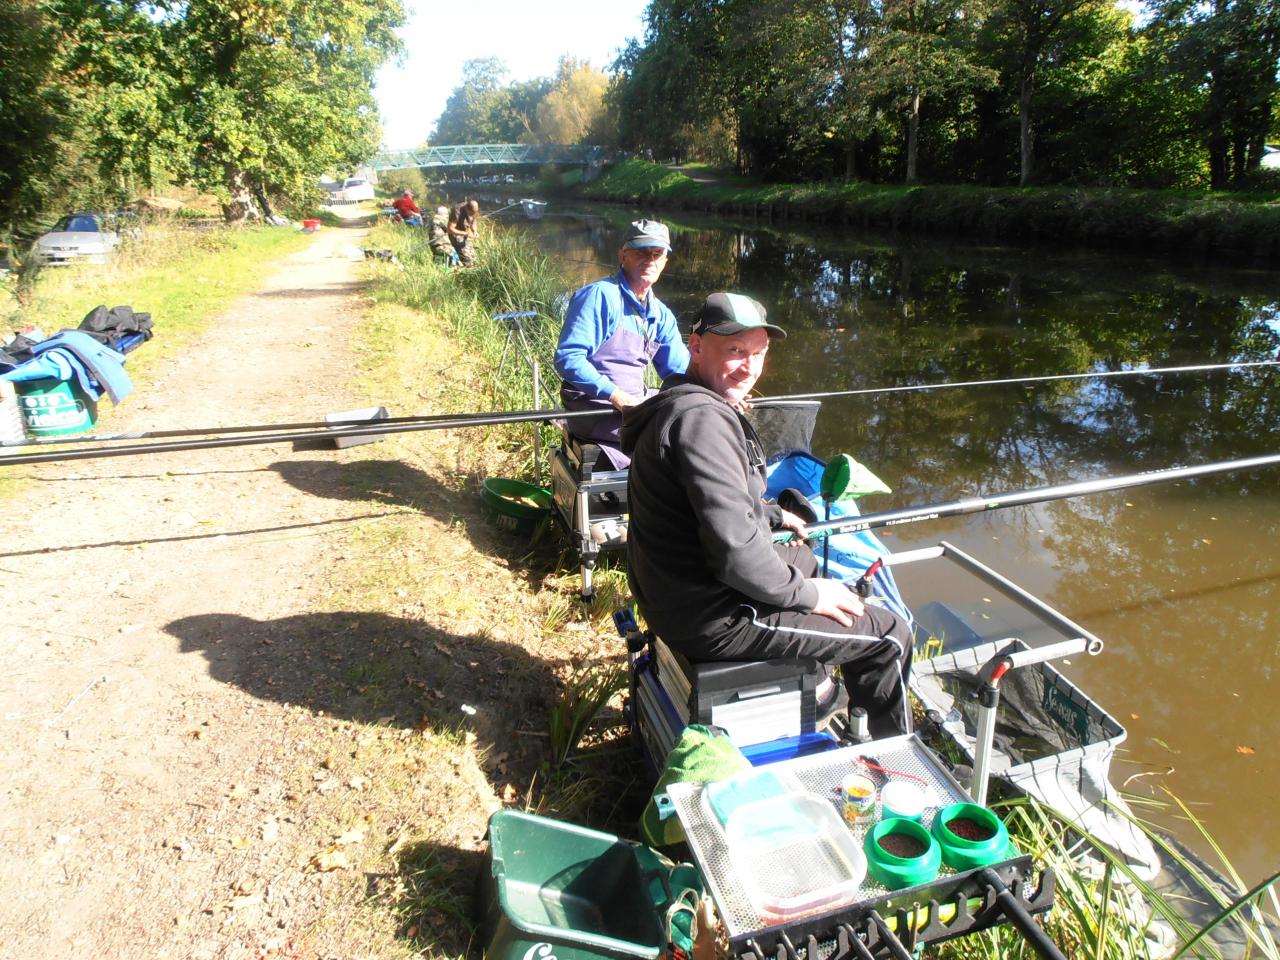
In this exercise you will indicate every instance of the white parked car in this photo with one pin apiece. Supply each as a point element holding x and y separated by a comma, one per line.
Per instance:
<point>77,238</point>
<point>1271,157</point>
<point>356,188</point>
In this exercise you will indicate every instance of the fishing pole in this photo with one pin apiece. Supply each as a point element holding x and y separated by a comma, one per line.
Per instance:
<point>1148,371</point>
<point>956,508</point>
<point>286,433</point>
<point>364,428</point>
<point>299,426</point>
<point>557,414</point>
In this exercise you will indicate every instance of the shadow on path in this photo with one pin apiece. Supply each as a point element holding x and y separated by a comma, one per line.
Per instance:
<point>395,483</point>
<point>376,668</point>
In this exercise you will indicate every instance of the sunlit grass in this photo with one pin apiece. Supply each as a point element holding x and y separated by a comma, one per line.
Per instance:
<point>1105,910</point>
<point>183,277</point>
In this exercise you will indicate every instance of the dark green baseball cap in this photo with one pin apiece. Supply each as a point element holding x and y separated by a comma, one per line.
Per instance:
<point>725,314</point>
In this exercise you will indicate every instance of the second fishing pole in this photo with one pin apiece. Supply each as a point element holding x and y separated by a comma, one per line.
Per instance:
<point>429,421</point>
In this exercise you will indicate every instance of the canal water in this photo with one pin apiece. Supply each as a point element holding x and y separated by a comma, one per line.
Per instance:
<point>1181,580</point>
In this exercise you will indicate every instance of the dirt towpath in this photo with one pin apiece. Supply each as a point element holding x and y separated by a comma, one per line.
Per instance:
<point>141,793</point>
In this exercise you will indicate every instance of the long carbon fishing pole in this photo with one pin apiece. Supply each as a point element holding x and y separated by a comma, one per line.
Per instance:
<point>956,508</point>
<point>527,415</point>
<point>1151,371</point>
<point>367,428</point>
<point>330,426</point>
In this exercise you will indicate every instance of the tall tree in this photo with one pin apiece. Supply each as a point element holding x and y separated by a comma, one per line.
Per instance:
<point>35,120</point>
<point>1028,31</point>
<point>574,108</point>
<point>674,90</point>
<point>271,93</point>
<point>483,109</point>
<point>922,52</point>
<point>1229,50</point>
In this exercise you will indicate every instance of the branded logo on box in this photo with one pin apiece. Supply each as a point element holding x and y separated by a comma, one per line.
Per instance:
<point>53,410</point>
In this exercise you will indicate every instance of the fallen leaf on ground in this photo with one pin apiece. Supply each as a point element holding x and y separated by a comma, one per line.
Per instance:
<point>357,783</point>
<point>351,836</point>
<point>1245,750</point>
<point>238,791</point>
<point>328,860</point>
<point>509,794</point>
<point>270,831</point>
<point>239,843</point>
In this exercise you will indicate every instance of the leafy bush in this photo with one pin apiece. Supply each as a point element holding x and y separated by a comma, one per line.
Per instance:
<point>397,181</point>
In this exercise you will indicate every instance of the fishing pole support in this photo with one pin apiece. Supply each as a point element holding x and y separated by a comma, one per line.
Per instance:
<point>990,675</point>
<point>515,333</point>
<point>1012,907</point>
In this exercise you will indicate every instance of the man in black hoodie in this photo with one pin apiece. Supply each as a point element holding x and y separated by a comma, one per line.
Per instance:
<point>700,557</point>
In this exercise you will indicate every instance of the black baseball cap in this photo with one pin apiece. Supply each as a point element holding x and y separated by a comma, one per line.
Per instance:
<point>725,314</point>
<point>647,233</point>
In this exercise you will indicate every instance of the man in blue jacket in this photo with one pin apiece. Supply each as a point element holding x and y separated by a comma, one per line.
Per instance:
<point>613,330</point>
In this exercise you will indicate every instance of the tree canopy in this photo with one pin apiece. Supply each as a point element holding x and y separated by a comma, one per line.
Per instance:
<point>567,108</point>
<point>247,98</point>
<point>986,91</point>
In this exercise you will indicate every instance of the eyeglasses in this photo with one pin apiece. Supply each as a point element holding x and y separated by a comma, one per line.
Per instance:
<point>649,253</point>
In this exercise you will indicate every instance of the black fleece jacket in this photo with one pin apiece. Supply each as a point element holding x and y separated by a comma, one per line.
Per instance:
<point>699,542</point>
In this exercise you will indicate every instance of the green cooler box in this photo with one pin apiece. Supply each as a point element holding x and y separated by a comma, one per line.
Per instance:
<point>51,408</point>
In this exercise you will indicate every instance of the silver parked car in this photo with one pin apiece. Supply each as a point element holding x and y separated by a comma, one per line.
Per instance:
<point>78,238</point>
<point>356,188</point>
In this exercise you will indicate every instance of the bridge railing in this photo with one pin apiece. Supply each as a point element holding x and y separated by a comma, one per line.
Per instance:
<point>478,154</point>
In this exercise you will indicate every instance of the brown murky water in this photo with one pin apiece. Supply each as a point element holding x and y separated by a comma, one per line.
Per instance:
<point>1181,580</point>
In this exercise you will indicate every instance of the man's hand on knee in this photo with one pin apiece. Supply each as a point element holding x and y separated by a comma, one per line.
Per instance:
<point>621,400</point>
<point>837,601</point>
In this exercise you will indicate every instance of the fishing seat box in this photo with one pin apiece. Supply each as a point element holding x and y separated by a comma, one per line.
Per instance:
<point>757,702</point>
<point>590,499</point>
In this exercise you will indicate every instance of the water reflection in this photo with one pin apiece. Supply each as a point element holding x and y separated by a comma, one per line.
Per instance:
<point>1182,581</point>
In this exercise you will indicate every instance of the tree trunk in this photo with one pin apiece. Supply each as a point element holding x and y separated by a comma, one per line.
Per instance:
<point>1026,132</point>
<point>913,132</point>
<point>263,203</point>
<point>240,206</point>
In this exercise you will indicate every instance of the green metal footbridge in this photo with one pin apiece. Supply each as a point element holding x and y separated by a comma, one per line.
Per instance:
<point>488,154</point>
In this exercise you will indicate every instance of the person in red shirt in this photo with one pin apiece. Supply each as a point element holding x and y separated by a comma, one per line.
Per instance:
<point>407,209</point>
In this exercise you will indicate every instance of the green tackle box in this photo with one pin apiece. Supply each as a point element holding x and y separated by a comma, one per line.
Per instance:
<point>555,889</point>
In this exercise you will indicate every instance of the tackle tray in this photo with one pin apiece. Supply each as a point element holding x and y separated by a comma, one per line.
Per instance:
<point>938,910</point>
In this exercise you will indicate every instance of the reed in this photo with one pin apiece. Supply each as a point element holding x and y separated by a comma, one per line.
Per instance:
<point>509,276</point>
<point>1105,910</point>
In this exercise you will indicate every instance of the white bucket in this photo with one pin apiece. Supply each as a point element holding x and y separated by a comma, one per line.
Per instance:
<point>12,429</point>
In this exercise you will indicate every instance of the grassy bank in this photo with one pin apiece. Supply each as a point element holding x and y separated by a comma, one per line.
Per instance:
<point>1185,223</point>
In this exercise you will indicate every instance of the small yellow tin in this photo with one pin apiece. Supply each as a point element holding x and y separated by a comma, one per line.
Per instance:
<point>857,798</point>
